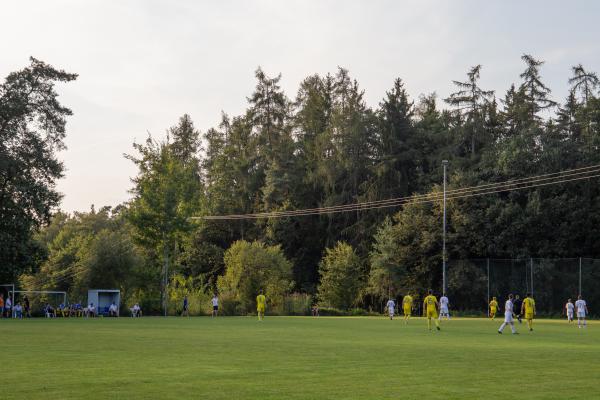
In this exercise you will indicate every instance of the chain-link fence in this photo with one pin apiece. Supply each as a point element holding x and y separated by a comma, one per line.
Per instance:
<point>473,282</point>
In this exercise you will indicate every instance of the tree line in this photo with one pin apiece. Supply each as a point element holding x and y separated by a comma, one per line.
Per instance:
<point>323,147</point>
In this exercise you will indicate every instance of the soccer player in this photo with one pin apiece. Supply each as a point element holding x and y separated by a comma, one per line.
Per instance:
<point>493,308</point>
<point>444,303</point>
<point>261,301</point>
<point>215,304</point>
<point>518,307</point>
<point>529,310</point>
<point>582,311</point>
<point>430,307</point>
<point>508,316</point>
<point>407,303</point>
<point>391,307</point>
<point>186,307</point>
<point>569,308</point>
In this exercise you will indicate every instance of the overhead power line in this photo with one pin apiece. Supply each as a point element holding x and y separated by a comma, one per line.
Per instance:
<point>479,190</point>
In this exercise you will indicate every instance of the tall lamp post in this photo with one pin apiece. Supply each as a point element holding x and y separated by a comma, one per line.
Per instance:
<point>444,164</point>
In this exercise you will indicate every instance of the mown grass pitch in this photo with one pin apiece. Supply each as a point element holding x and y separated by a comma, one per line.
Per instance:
<point>295,358</point>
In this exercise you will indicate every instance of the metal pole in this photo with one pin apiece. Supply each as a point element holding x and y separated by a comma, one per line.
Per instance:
<point>444,164</point>
<point>531,266</point>
<point>579,275</point>
<point>488,285</point>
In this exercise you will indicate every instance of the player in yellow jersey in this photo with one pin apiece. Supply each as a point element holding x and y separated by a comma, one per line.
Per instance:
<point>261,301</point>
<point>430,309</point>
<point>528,308</point>
<point>407,303</point>
<point>493,308</point>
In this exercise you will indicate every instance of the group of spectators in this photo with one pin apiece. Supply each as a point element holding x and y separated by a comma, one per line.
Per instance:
<point>18,310</point>
<point>23,309</point>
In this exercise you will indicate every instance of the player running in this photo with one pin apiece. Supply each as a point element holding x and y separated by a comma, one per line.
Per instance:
<point>508,316</point>
<point>444,303</point>
<point>391,307</point>
<point>582,311</point>
<point>261,301</point>
<point>407,304</point>
<point>430,308</point>
<point>493,308</point>
<point>528,308</point>
<point>569,308</point>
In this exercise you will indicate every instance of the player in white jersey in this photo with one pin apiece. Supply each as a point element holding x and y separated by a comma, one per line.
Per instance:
<point>582,311</point>
<point>444,303</point>
<point>569,308</point>
<point>391,307</point>
<point>508,316</point>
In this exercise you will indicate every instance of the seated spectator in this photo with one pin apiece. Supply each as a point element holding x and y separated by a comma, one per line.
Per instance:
<point>315,310</point>
<point>136,311</point>
<point>79,311</point>
<point>113,310</point>
<point>49,311</point>
<point>91,311</point>
<point>18,312</point>
<point>61,310</point>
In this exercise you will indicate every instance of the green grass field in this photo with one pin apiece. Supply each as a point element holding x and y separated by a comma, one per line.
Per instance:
<point>294,358</point>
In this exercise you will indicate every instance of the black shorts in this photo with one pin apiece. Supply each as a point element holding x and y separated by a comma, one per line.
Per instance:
<point>215,308</point>
<point>185,308</point>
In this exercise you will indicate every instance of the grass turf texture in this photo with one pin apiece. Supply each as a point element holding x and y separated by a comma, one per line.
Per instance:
<point>295,358</point>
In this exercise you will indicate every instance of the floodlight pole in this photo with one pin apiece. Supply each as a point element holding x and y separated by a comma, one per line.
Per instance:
<point>444,164</point>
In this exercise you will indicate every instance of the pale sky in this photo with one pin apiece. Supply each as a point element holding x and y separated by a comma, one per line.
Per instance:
<point>142,64</point>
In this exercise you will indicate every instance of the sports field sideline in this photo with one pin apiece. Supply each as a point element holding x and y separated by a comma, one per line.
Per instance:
<point>295,358</point>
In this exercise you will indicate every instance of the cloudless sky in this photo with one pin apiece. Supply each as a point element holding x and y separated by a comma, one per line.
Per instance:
<point>142,64</point>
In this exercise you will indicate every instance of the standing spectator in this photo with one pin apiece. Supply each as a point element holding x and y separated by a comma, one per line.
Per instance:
<point>8,307</point>
<point>215,304</point>
<point>1,305</point>
<point>27,307</point>
<point>186,307</point>
<point>18,311</point>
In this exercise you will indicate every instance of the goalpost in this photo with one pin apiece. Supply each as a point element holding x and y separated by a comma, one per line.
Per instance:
<point>44,292</point>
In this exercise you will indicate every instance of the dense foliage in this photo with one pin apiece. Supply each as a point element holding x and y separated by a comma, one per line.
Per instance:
<point>326,147</point>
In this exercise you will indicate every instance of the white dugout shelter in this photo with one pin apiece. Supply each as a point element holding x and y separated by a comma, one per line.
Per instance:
<point>103,298</point>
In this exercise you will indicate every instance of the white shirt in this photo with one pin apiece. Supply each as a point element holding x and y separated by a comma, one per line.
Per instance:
<point>569,306</point>
<point>508,307</point>
<point>136,308</point>
<point>391,304</point>
<point>8,303</point>
<point>91,307</point>
<point>18,307</point>
<point>444,302</point>
<point>580,304</point>
<point>112,307</point>
<point>215,301</point>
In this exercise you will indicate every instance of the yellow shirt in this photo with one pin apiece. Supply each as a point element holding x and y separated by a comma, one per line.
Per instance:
<point>529,304</point>
<point>261,300</point>
<point>407,301</point>
<point>493,304</point>
<point>430,302</point>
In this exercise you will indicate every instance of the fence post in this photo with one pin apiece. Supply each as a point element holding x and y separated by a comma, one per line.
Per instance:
<point>579,275</point>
